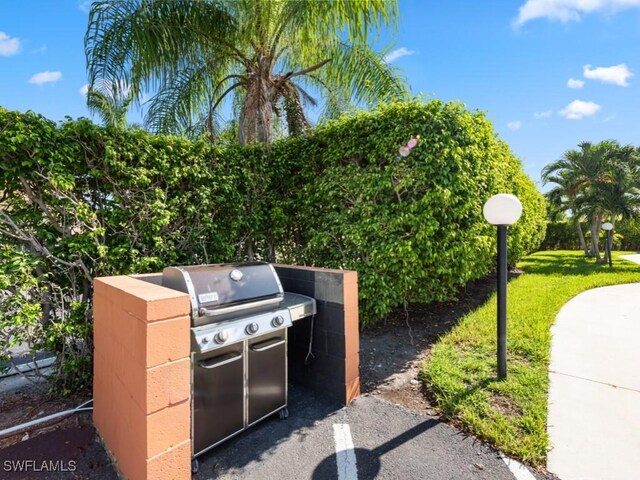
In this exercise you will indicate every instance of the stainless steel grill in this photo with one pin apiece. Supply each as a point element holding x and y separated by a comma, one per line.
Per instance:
<point>239,320</point>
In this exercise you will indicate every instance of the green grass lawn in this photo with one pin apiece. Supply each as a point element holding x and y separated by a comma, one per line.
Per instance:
<point>461,372</point>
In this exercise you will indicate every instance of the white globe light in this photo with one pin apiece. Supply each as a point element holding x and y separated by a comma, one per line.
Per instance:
<point>502,209</point>
<point>607,226</point>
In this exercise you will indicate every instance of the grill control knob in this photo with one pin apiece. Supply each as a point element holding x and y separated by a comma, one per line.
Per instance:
<point>221,337</point>
<point>277,321</point>
<point>205,340</point>
<point>252,328</point>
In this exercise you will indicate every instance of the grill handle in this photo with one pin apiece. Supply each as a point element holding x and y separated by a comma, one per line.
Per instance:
<point>262,346</point>
<point>221,360</point>
<point>205,312</point>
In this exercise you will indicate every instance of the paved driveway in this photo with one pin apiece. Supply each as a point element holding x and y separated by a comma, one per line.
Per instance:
<point>376,440</point>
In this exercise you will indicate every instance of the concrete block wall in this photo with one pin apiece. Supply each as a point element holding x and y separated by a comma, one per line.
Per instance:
<point>142,377</point>
<point>333,371</point>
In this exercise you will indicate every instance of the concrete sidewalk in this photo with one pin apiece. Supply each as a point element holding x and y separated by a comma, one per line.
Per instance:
<point>594,392</point>
<point>634,257</point>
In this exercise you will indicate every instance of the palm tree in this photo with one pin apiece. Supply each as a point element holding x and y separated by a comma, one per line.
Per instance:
<point>619,197</point>
<point>575,171</point>
<point>271,56</point>
<point>560,199</point>
<point>111,102</point>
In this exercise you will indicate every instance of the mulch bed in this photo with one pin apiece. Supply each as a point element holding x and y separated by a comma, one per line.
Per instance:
<point>66,448</point>
<point>391,352</point>
<point>66,452</point>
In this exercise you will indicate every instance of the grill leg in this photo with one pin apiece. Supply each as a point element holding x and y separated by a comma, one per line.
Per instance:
<point>283,413</point>
<point>195,465</point>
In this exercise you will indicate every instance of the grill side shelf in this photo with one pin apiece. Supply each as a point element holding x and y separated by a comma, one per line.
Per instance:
<point>299,306</point>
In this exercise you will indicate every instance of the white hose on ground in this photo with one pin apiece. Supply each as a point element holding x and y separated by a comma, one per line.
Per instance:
<point>38,421</point>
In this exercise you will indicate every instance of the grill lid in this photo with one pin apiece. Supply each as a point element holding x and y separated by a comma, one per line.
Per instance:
<point>223,290</point>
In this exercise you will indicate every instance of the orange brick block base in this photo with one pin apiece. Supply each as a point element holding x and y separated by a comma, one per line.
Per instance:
<point>142,377</point>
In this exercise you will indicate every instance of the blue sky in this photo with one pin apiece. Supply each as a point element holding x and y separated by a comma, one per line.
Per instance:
<point>516,60</point>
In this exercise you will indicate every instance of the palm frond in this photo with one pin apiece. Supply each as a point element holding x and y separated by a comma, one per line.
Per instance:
<point>160,46</point>
<point>110,101</point>
<point>145,43</point>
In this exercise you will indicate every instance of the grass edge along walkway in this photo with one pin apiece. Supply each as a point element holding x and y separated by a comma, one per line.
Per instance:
<point>460,373</point>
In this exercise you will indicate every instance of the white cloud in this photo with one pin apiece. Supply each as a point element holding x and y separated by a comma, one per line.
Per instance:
<point>579,109</point>
<point>397,53</point>
<point>517,125</point>
<point>575,83</point>
<point>42,49</point>
<point>545,114</point>
<point>84,90</point>
<point>45,77</point>
<point>568,10</point>
<point>8,45</point>
<point>85,6</point>
<point>617,74</point>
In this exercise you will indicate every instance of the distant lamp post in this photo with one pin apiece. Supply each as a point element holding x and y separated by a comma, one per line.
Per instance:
<point>608,227</point>
<point>502,210</point>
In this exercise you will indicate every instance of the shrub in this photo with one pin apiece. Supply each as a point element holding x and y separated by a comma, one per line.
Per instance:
<point>561,236</point>
<point>627,235</point>
<point>80,201</point>
<point>412,227</point>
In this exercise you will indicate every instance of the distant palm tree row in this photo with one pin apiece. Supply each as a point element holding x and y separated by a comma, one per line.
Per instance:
<point>270,57</point>
<point>595,183</point>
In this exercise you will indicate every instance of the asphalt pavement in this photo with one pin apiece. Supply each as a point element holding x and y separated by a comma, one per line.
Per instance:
<point>321,440</point>
<point>389,442</point>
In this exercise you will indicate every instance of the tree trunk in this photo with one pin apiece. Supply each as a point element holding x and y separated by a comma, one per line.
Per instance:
<point>250,253</point>
<point>583,243</point>
<point>256,120</point>
<point>297,123</point>
<point>596,223</point>
<point>271,250</point>
<point>46,297</point>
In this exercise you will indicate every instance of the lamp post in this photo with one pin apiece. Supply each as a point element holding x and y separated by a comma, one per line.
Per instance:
<point>608,227</point>
<point>502,210</point>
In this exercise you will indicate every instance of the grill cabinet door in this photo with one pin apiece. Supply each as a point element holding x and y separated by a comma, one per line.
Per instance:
<point>267,374</point>
<point>218,396</point>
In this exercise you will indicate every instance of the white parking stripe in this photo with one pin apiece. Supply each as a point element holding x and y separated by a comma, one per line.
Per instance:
<point>519,471</point>
<point>345,455</point>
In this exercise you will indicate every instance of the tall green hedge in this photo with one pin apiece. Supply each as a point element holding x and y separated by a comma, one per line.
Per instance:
<point>564,236</point>
<point>627,235</point>
<point>99,201</point>
<point>412,227</point>
<point>79,201</point>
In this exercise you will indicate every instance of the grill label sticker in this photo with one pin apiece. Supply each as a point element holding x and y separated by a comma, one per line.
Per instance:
<point>208,297</point>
